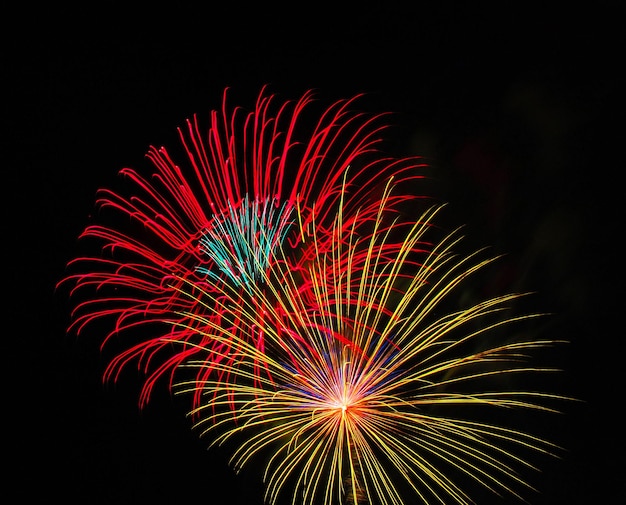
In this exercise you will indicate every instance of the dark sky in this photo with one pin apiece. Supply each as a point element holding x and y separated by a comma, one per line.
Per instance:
<point>517,108</point>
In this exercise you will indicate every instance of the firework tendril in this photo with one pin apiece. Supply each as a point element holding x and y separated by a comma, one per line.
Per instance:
<point>314,319</point>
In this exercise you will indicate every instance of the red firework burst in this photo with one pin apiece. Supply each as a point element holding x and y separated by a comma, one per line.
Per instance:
<point>242,186</point>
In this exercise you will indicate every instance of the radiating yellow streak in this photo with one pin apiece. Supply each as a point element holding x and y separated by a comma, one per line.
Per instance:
<point>299,213</point>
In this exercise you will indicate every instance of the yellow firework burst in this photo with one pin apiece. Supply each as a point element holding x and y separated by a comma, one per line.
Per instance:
<point>372,386</point>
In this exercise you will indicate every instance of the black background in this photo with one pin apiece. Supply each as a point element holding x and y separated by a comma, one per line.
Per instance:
<point>516,107</point>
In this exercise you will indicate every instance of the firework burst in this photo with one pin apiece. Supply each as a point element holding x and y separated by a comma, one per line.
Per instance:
<point>214,215</point>
<point>271,274</point>
<point>380,394</point>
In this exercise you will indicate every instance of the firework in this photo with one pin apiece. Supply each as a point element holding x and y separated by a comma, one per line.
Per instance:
<point>270,271</point>
<point>213,214</point>
<point>386,389</point>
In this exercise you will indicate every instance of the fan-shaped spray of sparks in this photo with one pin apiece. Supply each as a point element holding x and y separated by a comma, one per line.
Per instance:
<point>217,216</point>
<point>241,242</point>
<point>377,397</point>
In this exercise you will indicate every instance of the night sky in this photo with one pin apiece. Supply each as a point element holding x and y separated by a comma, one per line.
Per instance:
<point>515,109</point>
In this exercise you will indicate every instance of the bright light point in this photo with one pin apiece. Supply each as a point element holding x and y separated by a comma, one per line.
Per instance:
<point>341,405</point>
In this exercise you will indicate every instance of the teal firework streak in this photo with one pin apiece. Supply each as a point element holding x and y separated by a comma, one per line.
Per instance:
<point>241,241</point>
